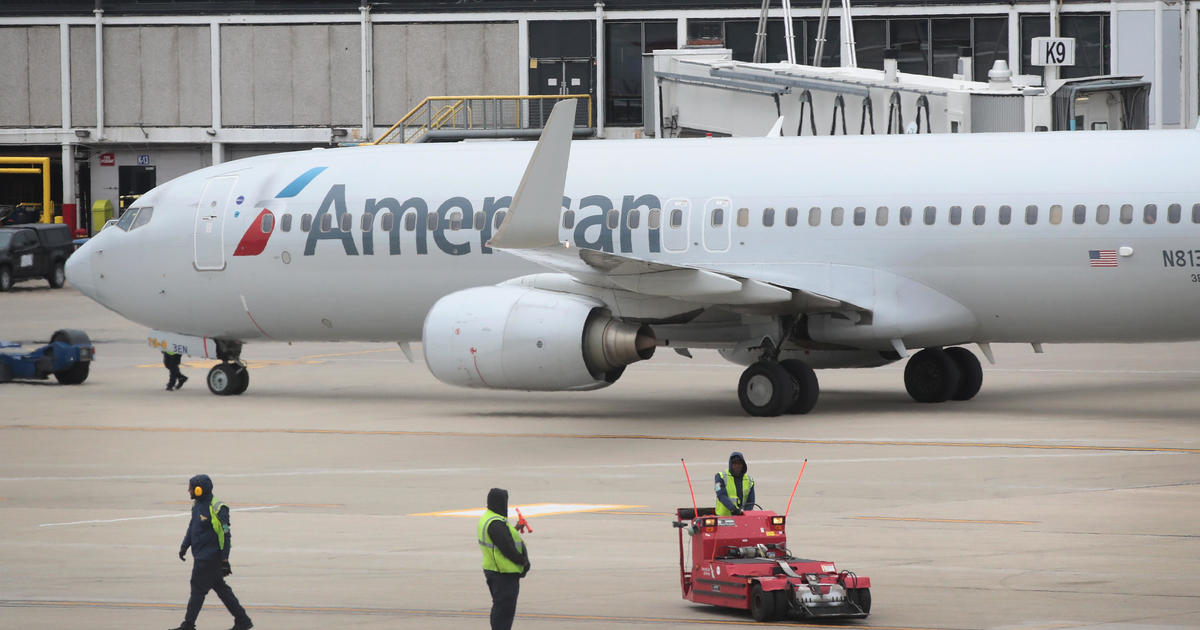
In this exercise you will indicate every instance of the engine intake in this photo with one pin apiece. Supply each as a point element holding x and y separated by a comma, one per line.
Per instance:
<point>530,339</point>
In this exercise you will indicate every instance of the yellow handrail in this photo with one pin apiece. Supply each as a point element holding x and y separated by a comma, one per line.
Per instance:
<point>42,167</point>
<point>453,106</point>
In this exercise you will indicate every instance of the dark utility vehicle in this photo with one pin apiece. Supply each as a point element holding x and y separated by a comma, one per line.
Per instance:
<point>32,251</point>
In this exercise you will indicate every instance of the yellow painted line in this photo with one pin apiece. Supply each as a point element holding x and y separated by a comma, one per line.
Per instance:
<point>310,359</point>
<point>533,509</point>
<point>595,436</point>
<point>941,520</point>
<point>398,612</point>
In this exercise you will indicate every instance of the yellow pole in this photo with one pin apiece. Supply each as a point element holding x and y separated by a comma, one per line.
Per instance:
<point>47,205</point>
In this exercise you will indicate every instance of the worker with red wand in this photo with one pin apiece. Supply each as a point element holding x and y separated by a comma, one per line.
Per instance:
<point>505,558</point>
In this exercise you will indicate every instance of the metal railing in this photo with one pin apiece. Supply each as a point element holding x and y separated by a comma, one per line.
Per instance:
<point>459,117</point>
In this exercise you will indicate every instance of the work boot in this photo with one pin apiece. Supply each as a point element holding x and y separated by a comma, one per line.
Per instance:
<point>244,624</point>
<point>168,388</point>
<point>182,380</point>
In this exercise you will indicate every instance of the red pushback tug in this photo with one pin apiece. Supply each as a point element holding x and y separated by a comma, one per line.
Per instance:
<point>743,562</point>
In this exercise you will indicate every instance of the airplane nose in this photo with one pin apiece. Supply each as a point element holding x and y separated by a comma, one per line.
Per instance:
<point>79,272</point>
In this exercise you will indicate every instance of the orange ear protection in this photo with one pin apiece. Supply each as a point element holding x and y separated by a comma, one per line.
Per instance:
<point>198,491</point>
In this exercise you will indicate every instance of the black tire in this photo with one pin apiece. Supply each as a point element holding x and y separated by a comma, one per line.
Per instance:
<point>931,376</point>
<point>782,599</point>
<point>223,379</point>
<point>762,603</point>
<point>243,381</point>
<point>6,279</point>
<point>766,389</point>
<point>808,389</point>
<point>860,597</point>
<point>57,277</point>
<point>71,336</point>
<point>74,375</point>
<point>970,372</point>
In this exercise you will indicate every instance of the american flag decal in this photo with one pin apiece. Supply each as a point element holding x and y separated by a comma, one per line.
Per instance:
<point>1102,258</point>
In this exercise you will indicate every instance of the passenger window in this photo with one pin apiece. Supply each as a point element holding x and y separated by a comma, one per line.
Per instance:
<point>1174,211</point>
<point>881,215</point>
<point>1102,214</point>
<point>836,215</point>
<point>480,220</point>
<point>268,222</point>
<point>677,218</point>
<point>368,219</point>
<point>1127,214</point>
<point>145,214</point>
<point>568,220</point>
<point>654,219</point>
<point>1149,214</point>
<point>860,216</point>
<point>1055,214</point>
<point>410,221</point>
<point>634,219</point>
<point>285,223</point>
<point>305,222</point>
<point>718,217</point>
<point>743,217</point>
<point>792,216</point>
<point>979,215</point>
<point>930,215</point>
<point>814,215</point>
<point>1196,213</point>
<point>345,222</point>
<point>768,217</point>
<point>1080,214</point>
<point>1005,215</point>
<point>387,222</point>
<point>613,219</point>
<point>456,220</point>
<point>431,221</point>
<point>1031,215</point>
<point>326,222</point>
<point>905,215</point>
<point>955,215</point>
<point>498,220</point>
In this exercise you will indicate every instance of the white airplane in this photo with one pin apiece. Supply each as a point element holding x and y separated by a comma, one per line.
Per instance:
<point>785,254</point>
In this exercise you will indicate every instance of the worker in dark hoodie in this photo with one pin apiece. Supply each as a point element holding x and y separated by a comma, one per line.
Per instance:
<point>505,558</point>
<point>735,488</point>
<point>209,539</point>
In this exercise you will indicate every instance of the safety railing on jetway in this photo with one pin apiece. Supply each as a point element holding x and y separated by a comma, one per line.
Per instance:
<point>462,117</point>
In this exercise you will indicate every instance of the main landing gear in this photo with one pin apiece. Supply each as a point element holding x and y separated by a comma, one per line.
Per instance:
<point>229,377</point>
<point>770,388</point>
<point>934,375</point>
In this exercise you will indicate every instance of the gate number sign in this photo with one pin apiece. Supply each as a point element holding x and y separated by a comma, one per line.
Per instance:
<point>1053,51</point>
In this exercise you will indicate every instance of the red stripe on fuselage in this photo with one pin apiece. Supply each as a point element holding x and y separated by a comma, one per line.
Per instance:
<point>254,241</point>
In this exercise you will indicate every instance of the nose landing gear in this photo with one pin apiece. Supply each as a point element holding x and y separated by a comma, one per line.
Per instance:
<point>229,377</point>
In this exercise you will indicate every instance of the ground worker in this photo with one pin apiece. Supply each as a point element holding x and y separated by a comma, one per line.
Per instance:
<point>735,488</point>
<point>505,559</point>
<point>171,362</point>
<point>209,538</point>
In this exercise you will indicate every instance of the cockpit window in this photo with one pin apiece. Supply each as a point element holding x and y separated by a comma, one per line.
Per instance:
<point>127,219</point>
<point>143,217</point>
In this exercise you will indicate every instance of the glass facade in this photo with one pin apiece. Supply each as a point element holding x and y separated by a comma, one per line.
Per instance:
<point>1091,35</point>
<point>624,44</point>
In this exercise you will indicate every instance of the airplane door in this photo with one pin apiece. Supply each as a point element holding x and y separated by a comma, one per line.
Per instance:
<point>716,219</point>
<point>210,215</point>
<point>675,225</point>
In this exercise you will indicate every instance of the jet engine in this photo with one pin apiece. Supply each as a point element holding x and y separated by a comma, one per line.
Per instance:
<point>518,338</point>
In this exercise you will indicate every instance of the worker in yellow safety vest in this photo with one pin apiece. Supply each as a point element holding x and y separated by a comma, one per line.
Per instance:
<point>505,558</point>
<point>208,536</point>
<point>735,488</point>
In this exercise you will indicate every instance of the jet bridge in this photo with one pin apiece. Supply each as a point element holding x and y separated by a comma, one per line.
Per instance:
<point>703,91</point>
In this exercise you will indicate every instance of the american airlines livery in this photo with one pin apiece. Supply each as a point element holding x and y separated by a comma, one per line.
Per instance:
<point>555,266</point>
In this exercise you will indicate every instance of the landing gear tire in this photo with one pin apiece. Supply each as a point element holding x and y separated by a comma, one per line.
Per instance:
<point>766,389</point>
<point>762,603</point>
<point>931,376</point>
<point>806,384</point>
<point>970,371</point>
<point>224,379</point>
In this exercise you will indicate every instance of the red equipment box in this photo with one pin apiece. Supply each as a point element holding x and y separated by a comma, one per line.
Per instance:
<point>743,562</point>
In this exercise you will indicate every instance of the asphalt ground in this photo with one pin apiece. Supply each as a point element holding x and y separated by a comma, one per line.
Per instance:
<point>1064,496</point>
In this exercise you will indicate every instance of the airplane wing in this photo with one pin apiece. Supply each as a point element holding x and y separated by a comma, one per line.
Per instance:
<point>530,231</point>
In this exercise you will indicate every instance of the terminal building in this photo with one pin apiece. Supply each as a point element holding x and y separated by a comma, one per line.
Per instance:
<point>122,95</point>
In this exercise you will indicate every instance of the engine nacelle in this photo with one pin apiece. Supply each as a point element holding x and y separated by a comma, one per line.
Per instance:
<point>517,338</point>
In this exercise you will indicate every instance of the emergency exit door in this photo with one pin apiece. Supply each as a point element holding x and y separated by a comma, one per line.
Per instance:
<point>210,218</point>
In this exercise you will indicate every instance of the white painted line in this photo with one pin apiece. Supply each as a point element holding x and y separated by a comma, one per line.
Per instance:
<point>535,509</point>
<point>146,518</point>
